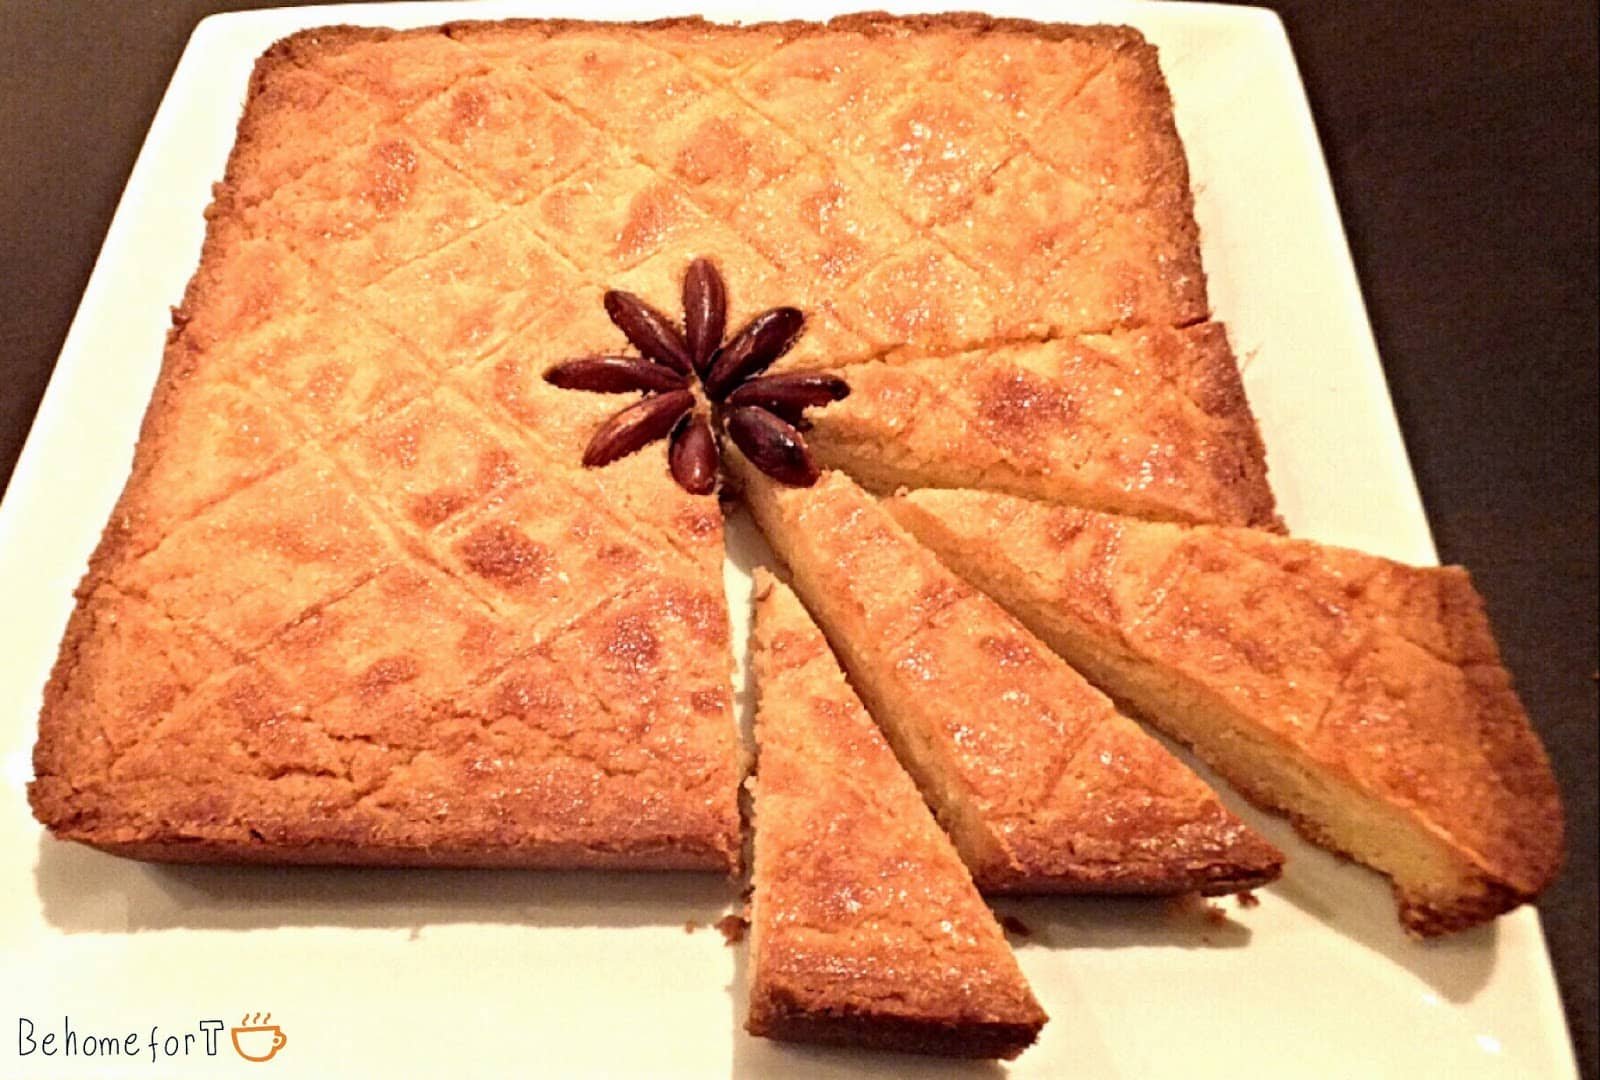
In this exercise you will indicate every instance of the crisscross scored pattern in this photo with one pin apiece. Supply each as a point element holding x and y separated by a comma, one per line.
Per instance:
<point>351,432</point>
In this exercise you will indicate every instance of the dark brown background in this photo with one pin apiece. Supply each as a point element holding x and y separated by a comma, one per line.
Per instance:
<point>1462,140</point>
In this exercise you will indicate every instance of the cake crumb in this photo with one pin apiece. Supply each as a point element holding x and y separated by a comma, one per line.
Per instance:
<point>1014,925</point>
<point>733,928</point>
<point>690,926</point>
<point>1191,904</point>
<point>1248,899</point>
<point>1184,904</point>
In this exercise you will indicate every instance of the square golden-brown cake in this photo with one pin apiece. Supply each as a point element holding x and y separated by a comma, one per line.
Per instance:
<point>361,601</point>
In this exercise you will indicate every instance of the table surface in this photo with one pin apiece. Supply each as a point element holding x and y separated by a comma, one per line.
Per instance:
<point>1461,135</point>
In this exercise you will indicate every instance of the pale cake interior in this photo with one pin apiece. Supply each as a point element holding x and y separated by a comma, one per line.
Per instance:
<point>1362,697</point>
<point>1271,772</point>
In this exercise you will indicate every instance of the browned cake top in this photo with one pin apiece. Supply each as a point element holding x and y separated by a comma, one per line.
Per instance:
<point>1150,421</point>
<point>867,158</point>
<point>982,197</point>
<point>1043,784</point>
<point>862,910</point>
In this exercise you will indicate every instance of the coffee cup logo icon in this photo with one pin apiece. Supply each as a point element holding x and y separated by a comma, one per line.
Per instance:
<point>257,1040</point>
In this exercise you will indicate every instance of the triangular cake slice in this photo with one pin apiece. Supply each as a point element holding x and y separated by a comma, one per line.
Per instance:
<point>1042,785</point>
<point>1152,422</point>
<point>1364,697</point>
<point>866,929</point>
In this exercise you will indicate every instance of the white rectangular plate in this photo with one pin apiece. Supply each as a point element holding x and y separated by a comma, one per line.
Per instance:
<point>495,974</point>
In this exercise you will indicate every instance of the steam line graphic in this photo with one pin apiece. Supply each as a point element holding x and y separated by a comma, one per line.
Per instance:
<point>257,1038</point>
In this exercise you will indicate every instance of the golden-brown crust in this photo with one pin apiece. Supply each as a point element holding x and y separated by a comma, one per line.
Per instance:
<point>428,854</point>
<point>870,23</point>
<point>1149,170</point>
<point>1042,784</point>
<point>1380,679</point>
<point>865,927</point>
<point>779,1018</point>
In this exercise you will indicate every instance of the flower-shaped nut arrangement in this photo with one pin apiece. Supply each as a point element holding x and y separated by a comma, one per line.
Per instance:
<point>696,385</point>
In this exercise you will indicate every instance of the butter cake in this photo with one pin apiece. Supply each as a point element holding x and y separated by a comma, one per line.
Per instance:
<point>1364,697</point>
<point>1041,784</point>
<point>360,599</point>
<point>865,926</point>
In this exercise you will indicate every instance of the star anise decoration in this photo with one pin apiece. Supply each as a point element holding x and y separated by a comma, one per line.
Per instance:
<point>695,384</point>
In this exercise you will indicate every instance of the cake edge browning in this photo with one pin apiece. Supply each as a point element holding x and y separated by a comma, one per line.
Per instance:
<point>546,856</point>
<point>332,37</point>
<point>781,1016</point>
<point>178,354</point>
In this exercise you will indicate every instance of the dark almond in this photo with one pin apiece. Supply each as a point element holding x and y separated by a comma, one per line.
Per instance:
<point>705,311</point>
<point>613,375</point>
<point>637,426</point>
<point>754,348</point>
<point>795,418</point>
<point>693,455</point>
<point>651,332</point>
<point>790,392</point>
<point>772,446</point>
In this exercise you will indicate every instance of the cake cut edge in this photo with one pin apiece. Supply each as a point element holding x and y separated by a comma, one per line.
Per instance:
<point>1179,840</point>
<point>1443,882</point>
